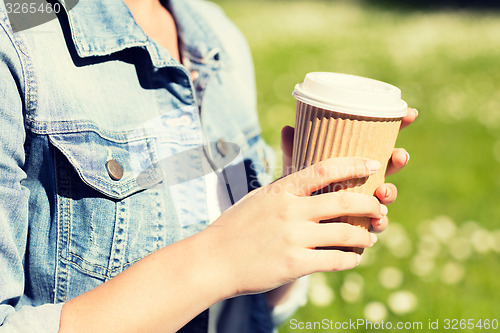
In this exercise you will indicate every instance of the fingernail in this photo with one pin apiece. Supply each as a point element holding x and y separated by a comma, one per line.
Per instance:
<point>378,223</point>
<point>407,158</point>
<point>387,192</point>
<point>358,258</point>
<point>373,166</point>
<point>373,238</point>
<point>416,111</point>
<point>384,210</point>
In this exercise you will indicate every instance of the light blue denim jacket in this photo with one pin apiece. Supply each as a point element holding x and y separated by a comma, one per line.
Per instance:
<point>91,87</point>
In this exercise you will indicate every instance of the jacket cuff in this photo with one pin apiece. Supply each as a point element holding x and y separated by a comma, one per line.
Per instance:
<point>40,319</point>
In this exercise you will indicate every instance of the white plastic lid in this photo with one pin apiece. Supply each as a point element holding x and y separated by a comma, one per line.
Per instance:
<point>351,94</point>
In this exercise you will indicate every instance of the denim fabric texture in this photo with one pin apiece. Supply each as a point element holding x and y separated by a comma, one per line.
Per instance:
<point>89,88</point>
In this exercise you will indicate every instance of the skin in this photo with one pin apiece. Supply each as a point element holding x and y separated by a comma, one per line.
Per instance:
<point>156,22</point>
<point>266,240</point>
<point>386,193</point>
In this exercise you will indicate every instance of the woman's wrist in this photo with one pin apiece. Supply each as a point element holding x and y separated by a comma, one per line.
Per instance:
<point>217,273</point>
<point>164,290</point>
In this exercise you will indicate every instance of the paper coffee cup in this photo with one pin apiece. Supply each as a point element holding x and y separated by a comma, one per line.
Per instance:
<point>341,115</point>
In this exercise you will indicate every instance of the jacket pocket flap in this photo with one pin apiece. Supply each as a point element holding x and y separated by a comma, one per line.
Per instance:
<point>89,154</point>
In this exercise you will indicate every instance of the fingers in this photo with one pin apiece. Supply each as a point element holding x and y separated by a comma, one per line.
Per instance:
<point>287,134</point>
<point>398,160</point>
<point>321,174</point>
<point>409,118</point>
<point>379,225</point>
<point>330,260</point>
<point>338,234</point>
<point>386,193</point>
<point>329,205</point>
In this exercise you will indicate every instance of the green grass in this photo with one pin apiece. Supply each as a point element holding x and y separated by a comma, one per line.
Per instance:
<point>447,65</point>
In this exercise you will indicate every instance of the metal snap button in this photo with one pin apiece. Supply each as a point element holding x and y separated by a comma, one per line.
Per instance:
<point>222,147</point>
<point>115,170</point>
<point>184,121</point>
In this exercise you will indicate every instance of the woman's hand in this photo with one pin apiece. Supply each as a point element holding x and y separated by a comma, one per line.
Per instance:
<point>265,240</point>
<point>386,193</point>
<point>268,238</point>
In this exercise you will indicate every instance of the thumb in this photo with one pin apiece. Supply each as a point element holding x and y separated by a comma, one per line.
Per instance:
<point>287,134</point>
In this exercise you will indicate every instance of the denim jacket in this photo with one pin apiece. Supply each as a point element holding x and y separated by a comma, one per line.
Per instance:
<point>93,118</point>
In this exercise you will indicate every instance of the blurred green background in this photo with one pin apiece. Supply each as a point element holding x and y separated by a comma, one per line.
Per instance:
<point>440,256</point>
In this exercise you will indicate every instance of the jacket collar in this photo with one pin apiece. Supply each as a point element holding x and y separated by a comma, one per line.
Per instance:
<point>100,28</point>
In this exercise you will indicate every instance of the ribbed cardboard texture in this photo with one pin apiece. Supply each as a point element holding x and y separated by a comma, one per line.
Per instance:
<point>321,134</point>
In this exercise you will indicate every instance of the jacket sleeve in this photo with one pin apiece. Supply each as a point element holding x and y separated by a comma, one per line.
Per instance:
<point>14,198</point>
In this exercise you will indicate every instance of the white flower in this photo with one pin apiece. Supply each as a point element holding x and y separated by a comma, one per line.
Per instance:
<point>482,240</point>
<point>402,302</point>
<point>443,228</point>
<point>422,265</point>
<point>467,228</point>
<point>452,273</point>
<point>375,312</point>
<point>429,246</point>
<point>460,248</point>
<point>352,288</point>
<point>320,293</point>
<point>395,238</point>
<point>390,277</point>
